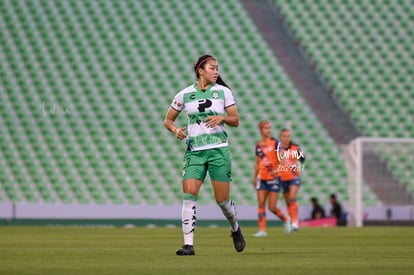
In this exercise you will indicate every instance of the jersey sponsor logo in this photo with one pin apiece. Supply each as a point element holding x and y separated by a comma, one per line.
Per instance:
<point>272,182</point>
<point>202,140</point>
<point>176,103</point>
<point>203,104</point>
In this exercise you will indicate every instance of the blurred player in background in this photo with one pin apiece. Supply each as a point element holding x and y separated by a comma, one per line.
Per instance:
<point>209,105</point>
<point>289,154</point>
<point>266,180</point>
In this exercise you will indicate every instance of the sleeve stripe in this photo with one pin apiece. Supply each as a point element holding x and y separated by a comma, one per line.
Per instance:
<point>230,105</point>
<point>175,109</point>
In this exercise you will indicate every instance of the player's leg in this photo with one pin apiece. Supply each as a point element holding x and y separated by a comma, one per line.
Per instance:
<point>261,211</point>
<point>272,205</point>
<point>285,189</point>
<point>293,203</point>
<point>219,168</point>
<point>191,188</point>
<point>273,196</point>
<point>194,172</point>
<point>222,195</point>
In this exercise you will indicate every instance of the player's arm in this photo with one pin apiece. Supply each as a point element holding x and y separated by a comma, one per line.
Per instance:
<point>276,169</point>
<point>256,170</point>
<point>170,117</point>
<point>231,119</point>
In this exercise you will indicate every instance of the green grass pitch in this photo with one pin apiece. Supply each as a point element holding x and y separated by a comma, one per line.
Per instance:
<point>66,250</point>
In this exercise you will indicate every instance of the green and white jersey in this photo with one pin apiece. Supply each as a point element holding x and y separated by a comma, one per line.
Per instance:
<point>199,105</point>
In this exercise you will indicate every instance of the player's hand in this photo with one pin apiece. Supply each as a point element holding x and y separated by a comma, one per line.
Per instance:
<point>179,133</point>
<point>274,173</point>
<point>213,121</point>
<point>254,183</point>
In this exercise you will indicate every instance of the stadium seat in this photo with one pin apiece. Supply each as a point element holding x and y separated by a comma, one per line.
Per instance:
<point>114,67</point>
<point>361,48</point>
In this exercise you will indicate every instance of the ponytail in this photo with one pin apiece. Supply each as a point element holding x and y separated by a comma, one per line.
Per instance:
<point>221,82</point>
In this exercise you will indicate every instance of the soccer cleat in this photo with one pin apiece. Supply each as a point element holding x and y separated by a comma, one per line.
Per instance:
<point>295,227</point>
<point>288,226</point>
<point>238,240</point>
<point>186,250</point>
<point>260,234</point>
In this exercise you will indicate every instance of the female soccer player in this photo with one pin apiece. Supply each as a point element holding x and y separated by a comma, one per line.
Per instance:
<point>266,180</point>
<point>289,172</point>
<point>209,105</point>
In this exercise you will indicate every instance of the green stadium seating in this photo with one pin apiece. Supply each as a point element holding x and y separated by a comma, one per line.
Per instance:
<point>363,49</point>
<point>85,86</point>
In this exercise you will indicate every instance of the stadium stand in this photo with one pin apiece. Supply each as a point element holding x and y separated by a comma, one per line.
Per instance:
<point>365,55</point>
<point>363,50</point>
<point>85,86</point>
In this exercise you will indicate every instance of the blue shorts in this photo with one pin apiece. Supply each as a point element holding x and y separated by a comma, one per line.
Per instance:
<point>286,183</point>
<point>268,185</point>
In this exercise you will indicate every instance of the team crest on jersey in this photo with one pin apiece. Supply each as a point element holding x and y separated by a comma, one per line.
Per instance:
<point>214,94</point>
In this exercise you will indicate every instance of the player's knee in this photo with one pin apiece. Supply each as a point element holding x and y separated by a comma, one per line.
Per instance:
<point>190,190</point>
<point>273,208</point>
<point>222,198</point>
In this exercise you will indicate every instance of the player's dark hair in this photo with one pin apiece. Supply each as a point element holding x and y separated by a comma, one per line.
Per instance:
<point>201,62</point>
<point>333,196</point>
